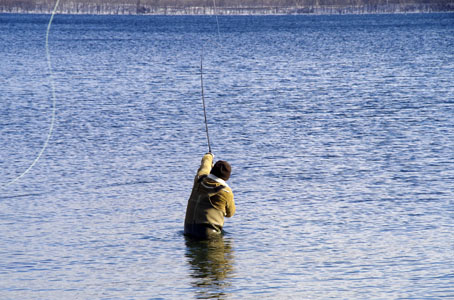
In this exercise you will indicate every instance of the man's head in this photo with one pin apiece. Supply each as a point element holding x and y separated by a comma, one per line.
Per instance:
<point>221,170</point>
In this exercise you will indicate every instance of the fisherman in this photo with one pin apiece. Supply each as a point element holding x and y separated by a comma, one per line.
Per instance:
<point>211,200</point>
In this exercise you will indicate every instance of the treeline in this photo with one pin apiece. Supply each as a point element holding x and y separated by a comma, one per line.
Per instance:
<point>225,6</point>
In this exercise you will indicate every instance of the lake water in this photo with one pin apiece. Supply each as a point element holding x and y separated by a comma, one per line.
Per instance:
<point>339,130</point>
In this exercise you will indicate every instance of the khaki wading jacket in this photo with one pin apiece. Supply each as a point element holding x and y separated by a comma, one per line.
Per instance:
<point>211,198</point>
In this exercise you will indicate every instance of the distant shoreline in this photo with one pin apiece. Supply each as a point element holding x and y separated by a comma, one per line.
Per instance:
<point>108,9</point>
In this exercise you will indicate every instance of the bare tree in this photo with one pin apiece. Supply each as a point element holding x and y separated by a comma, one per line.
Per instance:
<point>146,6</point>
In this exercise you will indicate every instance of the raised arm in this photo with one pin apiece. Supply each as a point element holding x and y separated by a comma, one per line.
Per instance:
<point>205,165</point>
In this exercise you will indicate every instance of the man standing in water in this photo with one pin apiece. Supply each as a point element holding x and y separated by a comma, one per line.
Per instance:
<point>211,200</point>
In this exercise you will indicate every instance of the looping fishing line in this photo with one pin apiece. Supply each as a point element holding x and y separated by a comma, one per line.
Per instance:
<point>51,128</point>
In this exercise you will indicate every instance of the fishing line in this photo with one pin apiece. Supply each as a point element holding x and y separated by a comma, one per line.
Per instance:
<point>217,21</point>
<point>52,122</point>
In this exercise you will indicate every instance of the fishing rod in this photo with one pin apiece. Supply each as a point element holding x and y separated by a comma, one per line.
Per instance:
<point>203,102</point>
<point>201,80</point>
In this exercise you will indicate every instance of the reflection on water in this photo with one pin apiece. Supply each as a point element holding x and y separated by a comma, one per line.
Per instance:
<point>211,263</point>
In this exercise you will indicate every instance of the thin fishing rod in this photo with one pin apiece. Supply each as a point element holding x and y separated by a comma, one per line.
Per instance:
<point>201,79</point>
<point>203,102</point>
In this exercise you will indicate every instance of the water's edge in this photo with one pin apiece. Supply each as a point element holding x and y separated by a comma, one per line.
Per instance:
<point>144,9</point>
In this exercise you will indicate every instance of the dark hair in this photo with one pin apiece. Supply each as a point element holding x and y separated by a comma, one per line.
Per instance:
<point>222,170</point>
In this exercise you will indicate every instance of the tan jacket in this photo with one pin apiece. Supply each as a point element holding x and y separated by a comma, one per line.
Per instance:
<point>211,199</point>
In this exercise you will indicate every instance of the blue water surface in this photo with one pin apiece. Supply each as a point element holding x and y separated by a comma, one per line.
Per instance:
<point>339,130</point>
